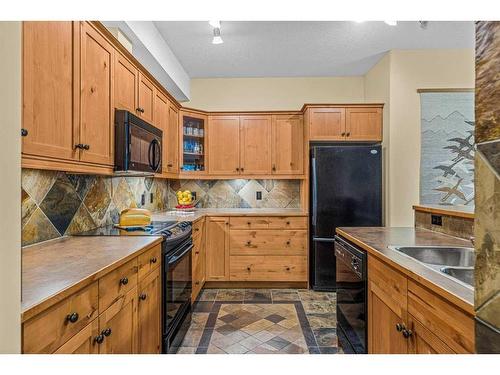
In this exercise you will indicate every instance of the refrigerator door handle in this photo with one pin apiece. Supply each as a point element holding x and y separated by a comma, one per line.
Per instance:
<point>314,191</point>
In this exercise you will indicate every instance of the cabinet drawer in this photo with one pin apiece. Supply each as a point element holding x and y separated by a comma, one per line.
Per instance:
<point>149,260</point>
<point>267,242</point>
<point>115,284</point>
<point>268,222</point>
<point>450,324</point>
<point>47,331</point>
<point>390,285</point>
<point>268,268</point>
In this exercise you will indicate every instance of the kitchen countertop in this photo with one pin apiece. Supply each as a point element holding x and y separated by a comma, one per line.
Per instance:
<point>375,240</point>
<point>457,211</point>
<point>55,269</point>
<point>202,212</point>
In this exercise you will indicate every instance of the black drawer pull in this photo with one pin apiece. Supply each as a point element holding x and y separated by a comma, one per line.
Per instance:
<point>143,296</point>
<point>99,339</point>
<point>72,318</point>
<point>24,132</point>
<point>106,332</point>
<point>153,260</point>
<point>123,281</point>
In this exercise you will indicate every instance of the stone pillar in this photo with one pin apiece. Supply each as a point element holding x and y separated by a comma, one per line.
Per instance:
<point>487,186</point>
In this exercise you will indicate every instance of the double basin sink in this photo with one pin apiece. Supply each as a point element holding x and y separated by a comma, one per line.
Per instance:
<point>455,262</point>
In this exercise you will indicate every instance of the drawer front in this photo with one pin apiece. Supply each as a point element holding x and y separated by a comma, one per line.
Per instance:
<point>117,283</point>
<point>268,222</point>
<point>47,331</point>
<point>268,268</point>
<point>450,324</point>
<point>268,242</point>
<point>390,285</point>
<point>149,260</point>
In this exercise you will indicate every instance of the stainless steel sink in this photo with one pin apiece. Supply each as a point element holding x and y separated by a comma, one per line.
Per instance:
<point>464,274</point>
<point>440,256</point>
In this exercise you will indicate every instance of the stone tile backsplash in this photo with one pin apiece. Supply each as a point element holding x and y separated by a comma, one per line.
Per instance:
<point>55,204</point>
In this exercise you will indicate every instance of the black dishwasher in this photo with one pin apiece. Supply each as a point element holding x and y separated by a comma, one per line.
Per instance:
<point>351,297</point>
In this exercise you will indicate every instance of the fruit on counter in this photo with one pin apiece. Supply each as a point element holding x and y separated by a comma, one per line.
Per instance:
<point>184,197</point>
<point>135,217</point>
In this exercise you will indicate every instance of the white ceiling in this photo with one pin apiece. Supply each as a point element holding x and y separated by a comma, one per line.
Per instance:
<point>298,48</point>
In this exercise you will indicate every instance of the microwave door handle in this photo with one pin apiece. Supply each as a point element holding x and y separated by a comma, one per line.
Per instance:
<point>150,149</point>
<point>153,147</point>
<point>157,155</point>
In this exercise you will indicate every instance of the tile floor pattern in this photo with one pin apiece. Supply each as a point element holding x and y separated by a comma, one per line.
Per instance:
<point>262,321</point>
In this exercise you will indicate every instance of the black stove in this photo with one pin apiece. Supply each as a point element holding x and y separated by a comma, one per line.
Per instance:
<point>176,274</point>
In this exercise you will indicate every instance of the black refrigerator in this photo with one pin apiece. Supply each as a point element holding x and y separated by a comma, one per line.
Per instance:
<point>346,191</point>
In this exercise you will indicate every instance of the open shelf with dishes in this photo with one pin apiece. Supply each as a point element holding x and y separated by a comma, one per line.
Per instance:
<point>193,131</point>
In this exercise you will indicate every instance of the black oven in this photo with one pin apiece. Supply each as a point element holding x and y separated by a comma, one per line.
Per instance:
<point>138,145</point>
<point>177,287</point>
<point>351,280</point>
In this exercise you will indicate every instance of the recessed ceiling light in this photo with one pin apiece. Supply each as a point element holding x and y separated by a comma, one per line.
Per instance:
<point>217,38</point>
<point>391,23</point>
<point>215,24</point>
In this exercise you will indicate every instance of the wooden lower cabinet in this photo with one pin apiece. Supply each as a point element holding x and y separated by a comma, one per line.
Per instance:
<point>199,258</point>
<point>406,317</point>
<point>217,249</point>
<point>83,342</point>
<point>149,318</point>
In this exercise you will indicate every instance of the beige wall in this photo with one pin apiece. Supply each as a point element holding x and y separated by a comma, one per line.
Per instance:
<point>10,165</point>
<point>245,94</point>
<point>411,70</point>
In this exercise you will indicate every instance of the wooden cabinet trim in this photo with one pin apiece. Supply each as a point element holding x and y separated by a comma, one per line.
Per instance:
<point>83,342</point>
<point>113,286</point>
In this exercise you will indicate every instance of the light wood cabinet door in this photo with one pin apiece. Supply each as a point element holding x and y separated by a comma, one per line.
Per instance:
<point>96,128</point>
<point>161,117</point>
<point>255,144</point>
<point>50,89</point>
<point>287,145</point>
<point>172,141</point>
<point>364,124</point>
<point>146,99</point>
<point>217,249</point>
<point>149,324</point>
<point>126,79</point>
<point>83,342</point>
<point>423,341</point>
<point>118,326</point>
<point>327,124</point>
<point>224,145</point>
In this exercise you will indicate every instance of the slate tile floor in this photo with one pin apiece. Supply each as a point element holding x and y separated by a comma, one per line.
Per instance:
<point>262,321</point>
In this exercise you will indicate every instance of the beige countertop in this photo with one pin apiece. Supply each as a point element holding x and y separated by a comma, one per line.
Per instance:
<point>55,269</point>
<point>376,241</point>
<point>202,212</point>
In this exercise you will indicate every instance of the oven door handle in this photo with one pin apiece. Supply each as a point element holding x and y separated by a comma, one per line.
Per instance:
<point>176,257</point>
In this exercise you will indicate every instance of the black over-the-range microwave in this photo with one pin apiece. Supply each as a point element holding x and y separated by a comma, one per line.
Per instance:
<point>138,144</point>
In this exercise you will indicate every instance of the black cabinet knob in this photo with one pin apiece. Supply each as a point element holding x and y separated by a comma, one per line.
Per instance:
<point>24,132</point>
<point>288,242</point>
<point>249,243</point>
<point>79,146</point>
<point>248,268</point>
<point>153,260</point>
<point>242,169</point>
<point>288,268</point>
<point>348,134</point>
<point>399,327</point>
<point>342,134</point>
<point>143,296</point>
<point>123,281</point>
<point>106,332</point>
<point>197,283</point>
<point>407,333</point>
<point>237,169</point>
<point>86,147</point>
<point>99,339</point>
<point>72,318</point>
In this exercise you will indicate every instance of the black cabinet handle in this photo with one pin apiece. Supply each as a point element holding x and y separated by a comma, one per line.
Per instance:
<point>288,242</point>
<point>248,268</point>
<point>343,134</point>
<point>288,268</point>
<point>153,260</point>
<point>86,147</point>
<point>139,109</point>
<point>197,283</point>
<point>170,165</point>
<point>274,168</point>
<point>242,169</point>
<point>72,318</point>
<point>249,243</point>
<point>124,281</point>
<point>106,332</point>
<point>99,339</point>
<point>407,333</point>
<point>237,169</point>
<point>399,327</point>
<point>81,146</point>
<point>348,134</point>
<point>24,132</point>
<point>196,252</point>
<point>143,296</point>
<point>287,223</point>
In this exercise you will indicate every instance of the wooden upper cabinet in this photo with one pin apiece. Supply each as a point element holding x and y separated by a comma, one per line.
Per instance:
<point>224,145</point>
<point>171,163</point>
<point>161,117</point>
<point>50,97</point>
<point>364,124</point>
<point>287,145</point>
<point>96,98</point>
<point>146,98</point>
<point>118,326</point>
<point>126,77</point>
<point>217,249</point>
<point>327,124</point>
<point>149,321</point>
<point>255,144</point>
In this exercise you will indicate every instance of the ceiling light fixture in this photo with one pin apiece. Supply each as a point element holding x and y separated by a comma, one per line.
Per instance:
<point>215,24</point>
<point>217,38</point>
<point>391,23</point>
